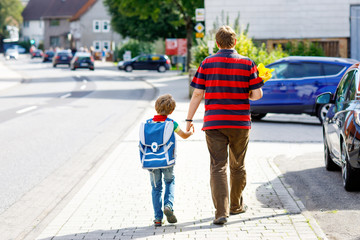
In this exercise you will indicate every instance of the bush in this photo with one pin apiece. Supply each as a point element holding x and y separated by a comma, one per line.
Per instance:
<point>245,46</point>
<point>304,49</point>
<point>136,47</point>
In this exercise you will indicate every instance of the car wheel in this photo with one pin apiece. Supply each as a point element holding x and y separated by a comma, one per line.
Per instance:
<point>54,65</point>
<point>128,68</point>
<point>347,173</point>
<point>73,68</point>
<point>322,111</point>
<point>329,163</point>
<point>258,116</point>
<point>92,69</point>
<point>161,68</point>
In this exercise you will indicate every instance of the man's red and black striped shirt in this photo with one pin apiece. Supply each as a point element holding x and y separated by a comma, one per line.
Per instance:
<point>227,77</point>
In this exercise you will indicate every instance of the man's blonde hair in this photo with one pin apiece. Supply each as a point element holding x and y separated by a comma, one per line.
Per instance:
<point>225,37</point>
<point>165,104</point>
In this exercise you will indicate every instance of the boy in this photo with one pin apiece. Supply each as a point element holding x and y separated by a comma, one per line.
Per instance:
<point>164,106</point>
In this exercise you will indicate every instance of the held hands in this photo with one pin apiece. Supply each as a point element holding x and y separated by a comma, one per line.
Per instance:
<point>190,127</point>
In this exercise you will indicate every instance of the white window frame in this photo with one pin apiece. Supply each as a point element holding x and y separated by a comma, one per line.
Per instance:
<point>97,43</point>
<point>98,24</point>
<point>104,43</point>
<point>107,23</point>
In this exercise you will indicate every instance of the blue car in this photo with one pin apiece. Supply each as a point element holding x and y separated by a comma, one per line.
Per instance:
<point>295,84</point>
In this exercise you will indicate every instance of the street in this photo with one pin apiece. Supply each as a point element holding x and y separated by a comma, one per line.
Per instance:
<point>58,126</point>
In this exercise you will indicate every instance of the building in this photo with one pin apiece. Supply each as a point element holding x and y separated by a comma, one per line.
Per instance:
<point>33,24</point>
<point>69,24</point>
<point>334,24</point>
<point>90,26</point>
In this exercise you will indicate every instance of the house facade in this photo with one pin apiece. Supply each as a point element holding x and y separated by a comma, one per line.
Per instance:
<point>90,27</point>
<point>333,24</point>
<point>33,24</point>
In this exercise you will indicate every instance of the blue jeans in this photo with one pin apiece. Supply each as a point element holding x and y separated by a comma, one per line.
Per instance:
<point>156,183</point>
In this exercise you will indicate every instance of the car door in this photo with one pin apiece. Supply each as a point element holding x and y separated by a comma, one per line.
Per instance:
<point>141,62</point>
<point>275,94</point>
<point>292,88</point>
<point>340,110</point>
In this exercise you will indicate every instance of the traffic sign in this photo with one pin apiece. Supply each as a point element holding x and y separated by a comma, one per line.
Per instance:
<point>199,27</point>
<point>200,14</point>
<point>199,35</point>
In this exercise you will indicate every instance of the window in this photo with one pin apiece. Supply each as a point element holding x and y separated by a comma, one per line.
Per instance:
<point>96,26</point>
<point>332,69</point>
<point>344,86</point>
<point>54,22</point>
<point>279,70</point>
<point>96,45</point>
<point>106,26</point>
<point>54,41</point>
<point>26,24</point>
<point>142,58</point>
<point>352,89</point>
<point>106,45</point>
<point>294,70</point>
<point>312,69</point>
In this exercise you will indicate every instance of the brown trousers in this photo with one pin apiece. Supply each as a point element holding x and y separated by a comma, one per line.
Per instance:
<point>218,141</point>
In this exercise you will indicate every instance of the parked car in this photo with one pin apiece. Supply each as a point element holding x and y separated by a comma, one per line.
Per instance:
<point>341,128</point>
<point>296,82</point>
<point>62,58</point>
<point>38,53</point>
<point>82,60</point>
<point>157,62</point>
<point>48,56</point>
<point>11,53</point>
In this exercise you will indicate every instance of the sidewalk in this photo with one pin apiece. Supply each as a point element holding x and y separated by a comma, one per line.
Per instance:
<point>116,201</point>
<point>8,77</point>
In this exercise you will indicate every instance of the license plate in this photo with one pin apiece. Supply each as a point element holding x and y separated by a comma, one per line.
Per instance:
<point>64,58</point>
<point>83,64</point>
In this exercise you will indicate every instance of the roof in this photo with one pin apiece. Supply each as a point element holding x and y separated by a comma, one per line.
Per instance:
<point>64,8</point>
<point>83,10</point>
<point>318,59</point>
<point>37,9</point>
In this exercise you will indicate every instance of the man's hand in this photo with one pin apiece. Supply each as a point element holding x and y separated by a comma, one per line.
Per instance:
<point>189,127</point>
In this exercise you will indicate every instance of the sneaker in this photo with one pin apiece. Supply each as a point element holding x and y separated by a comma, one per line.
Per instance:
<point>245,208</point>
<point>157,223</point>
<point>169,213</point>
<point>220,221</point>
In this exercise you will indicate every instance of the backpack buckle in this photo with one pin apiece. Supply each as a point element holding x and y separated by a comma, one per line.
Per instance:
<point>154,146</point>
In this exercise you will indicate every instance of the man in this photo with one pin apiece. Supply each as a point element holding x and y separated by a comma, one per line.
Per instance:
<point>228,80</point>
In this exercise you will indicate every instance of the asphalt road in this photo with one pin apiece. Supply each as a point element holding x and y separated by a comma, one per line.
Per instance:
<point>297,149</point>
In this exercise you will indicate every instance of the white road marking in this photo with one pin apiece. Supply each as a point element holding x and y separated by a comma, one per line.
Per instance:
<point>27,109</point>
<point>83,87</point>
<point>66,95</point>
<point>84,81</point>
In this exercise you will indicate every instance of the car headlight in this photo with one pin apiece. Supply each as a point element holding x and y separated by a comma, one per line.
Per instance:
<point>121,63</point>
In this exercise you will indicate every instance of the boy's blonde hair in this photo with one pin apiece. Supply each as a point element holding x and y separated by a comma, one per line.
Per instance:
<point>225,37</point>
<point>165,104</point>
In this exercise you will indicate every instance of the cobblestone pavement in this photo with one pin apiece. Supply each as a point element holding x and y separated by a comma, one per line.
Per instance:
<point>116,201</point>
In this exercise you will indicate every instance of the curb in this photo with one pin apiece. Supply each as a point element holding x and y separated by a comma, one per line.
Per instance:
<point>311,220</point>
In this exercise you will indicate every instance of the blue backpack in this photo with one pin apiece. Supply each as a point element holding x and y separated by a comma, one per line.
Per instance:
<point>157,144</point>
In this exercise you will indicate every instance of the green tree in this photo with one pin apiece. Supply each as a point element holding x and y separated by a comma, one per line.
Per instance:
<point>149,20</point>
<point>10,14</point>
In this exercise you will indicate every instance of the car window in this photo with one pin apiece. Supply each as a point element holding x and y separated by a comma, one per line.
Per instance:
<point>352,88</point>
<point>311,69</point>
<point>332,69</point>
<point>279,70</point>
<point>142,59</point>
<point>294,70</point>
<point>155,58</point>
<point>344,86</point>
